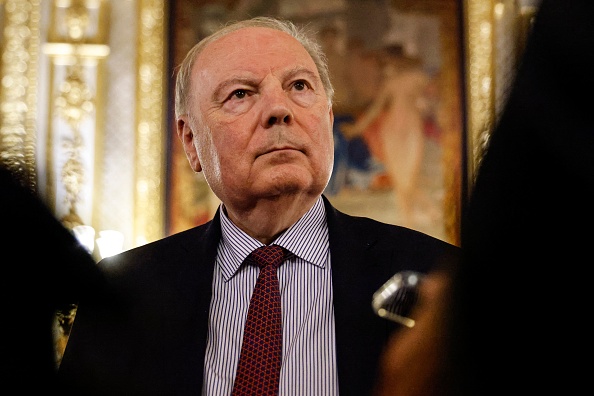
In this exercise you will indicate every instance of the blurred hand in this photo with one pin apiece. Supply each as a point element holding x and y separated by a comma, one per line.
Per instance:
<point>411,364</point>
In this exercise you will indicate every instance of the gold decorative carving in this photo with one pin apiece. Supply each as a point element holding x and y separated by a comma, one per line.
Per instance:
<point>479,81</point>
<point>150,157</point>
<point>18,93</point>
<point>496,31</point>
<point>76,44</point>
<point>77,21</point>
<point>75,100</point>
<point>74,103</point>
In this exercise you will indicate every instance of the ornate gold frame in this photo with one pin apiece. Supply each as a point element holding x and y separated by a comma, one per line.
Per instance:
<point>495,34</point>
<point>151,98</point>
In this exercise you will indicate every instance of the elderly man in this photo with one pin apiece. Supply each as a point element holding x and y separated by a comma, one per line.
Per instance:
<point>254,114</point>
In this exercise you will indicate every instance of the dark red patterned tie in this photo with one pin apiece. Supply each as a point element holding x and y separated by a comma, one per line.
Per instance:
<point>259,364</point>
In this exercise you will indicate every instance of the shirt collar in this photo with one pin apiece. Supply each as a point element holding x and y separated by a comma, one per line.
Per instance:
<point>304,239</point>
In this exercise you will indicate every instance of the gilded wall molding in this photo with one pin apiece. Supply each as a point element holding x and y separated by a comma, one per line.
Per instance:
<point>496,32</point>
<point>151,105</point>
<point>76,47</point>
<point>18,96</point>
<point>33,147</point>
<point>480,108</point>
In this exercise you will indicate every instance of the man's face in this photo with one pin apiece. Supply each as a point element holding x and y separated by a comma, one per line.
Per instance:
<point>263,124</point>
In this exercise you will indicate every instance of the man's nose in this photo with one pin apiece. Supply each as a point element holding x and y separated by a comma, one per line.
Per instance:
<point>277,109</point>
<point>280,119</point>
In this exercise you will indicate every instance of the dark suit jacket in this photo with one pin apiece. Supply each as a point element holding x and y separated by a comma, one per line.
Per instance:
<point>153,342</point>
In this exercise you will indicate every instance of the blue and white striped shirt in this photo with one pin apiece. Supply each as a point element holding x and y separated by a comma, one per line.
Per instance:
<point>309,358</point>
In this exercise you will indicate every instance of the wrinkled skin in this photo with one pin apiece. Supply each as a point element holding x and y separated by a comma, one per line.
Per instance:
<point>259,128</point>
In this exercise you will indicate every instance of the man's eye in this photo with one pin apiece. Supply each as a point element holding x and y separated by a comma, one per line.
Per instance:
<point>300,85</point>
<point>239,94</point>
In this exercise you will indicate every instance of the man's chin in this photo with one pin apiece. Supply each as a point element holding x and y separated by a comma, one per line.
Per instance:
<point>289,179</point>
<point>290,187</point>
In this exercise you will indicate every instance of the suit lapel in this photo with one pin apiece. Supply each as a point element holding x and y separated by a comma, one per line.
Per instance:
<point>198,248</point>
<point>358,270</point>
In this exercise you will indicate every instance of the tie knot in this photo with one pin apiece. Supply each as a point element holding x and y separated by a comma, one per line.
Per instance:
<point>268,255</point>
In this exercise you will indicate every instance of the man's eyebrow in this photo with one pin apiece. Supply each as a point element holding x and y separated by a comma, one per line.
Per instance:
<point>301,70</point>
<point>250,82</point>
<point>223,85</point>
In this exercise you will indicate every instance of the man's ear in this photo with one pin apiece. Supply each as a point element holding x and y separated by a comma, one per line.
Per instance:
<point>186,135</point>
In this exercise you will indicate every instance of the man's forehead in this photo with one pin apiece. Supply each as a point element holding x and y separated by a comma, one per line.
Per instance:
<point>253,49</point>
<point>252,33</point>
<point>253,42</point>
